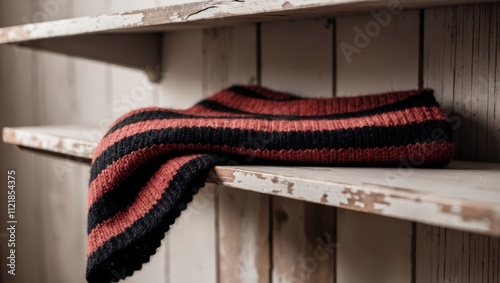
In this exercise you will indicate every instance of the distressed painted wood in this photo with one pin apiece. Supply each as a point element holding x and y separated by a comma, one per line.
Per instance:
<point>376,53</point>
<point>446,255</point>
<point>206,13</point>
<point>297,57</point>
<point>461,62</point>
<point>243,236</point>
<point>70,141</point>
<point>304,244</point>
<point>230,57</point>
<point>463,195</point>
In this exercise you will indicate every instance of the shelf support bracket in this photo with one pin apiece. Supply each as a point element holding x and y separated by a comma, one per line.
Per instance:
<point>140,51</point>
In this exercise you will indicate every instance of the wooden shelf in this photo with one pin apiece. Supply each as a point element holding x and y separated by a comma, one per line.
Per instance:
<point>206,14</point>
<point>113,38</point>
<point>74,142</point>
<point>464,195</point>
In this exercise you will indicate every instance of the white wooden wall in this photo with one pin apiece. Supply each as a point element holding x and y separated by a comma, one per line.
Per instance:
<point>235,236</point>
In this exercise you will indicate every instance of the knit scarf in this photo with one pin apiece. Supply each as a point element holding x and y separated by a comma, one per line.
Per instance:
<point>152,161</point>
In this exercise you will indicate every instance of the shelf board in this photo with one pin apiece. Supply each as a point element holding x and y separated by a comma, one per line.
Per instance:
<point>73,142</point>
<point>206,13</point>
<point>112,38</point>
<point>463,195</point>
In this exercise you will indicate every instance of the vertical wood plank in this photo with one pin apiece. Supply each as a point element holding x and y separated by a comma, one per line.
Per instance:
<point>191,242</point>
<point>131,88</point>
<point>61,218</point>
<point>387,59</point>
<point>297,57</point>
<point>461,51</point>
<point>463,85</point>
<point>93,108</point>
<point>181,86</point>
<point>494,88</point>
<point>243,237</point>
<point>230,57</point>
<point>460,63</point>
<point>494,259</point>
<point>374,248</point>
<point>60,221</point>
<point>493,85</point>
<point>447,255</point>
<point>61,210</point>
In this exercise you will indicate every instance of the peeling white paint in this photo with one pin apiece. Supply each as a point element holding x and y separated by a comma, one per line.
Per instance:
<point>343,187</point>
<point>359,204</point>
<point>175,17</point>
<point>249,254</point>
<point>64,140</point>
<point>431,213</point>
<point>249,10</point>
<point>69,27</point>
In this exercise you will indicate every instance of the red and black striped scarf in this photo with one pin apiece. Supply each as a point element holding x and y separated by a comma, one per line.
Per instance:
<point>153,160</point>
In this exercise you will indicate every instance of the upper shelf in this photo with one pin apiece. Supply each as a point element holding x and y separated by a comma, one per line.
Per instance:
<point>134,38</point>
<point>208,13</point>
<point>463,195</point>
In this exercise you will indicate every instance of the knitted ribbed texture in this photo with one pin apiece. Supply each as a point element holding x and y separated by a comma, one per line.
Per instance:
<point>153,160</point>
